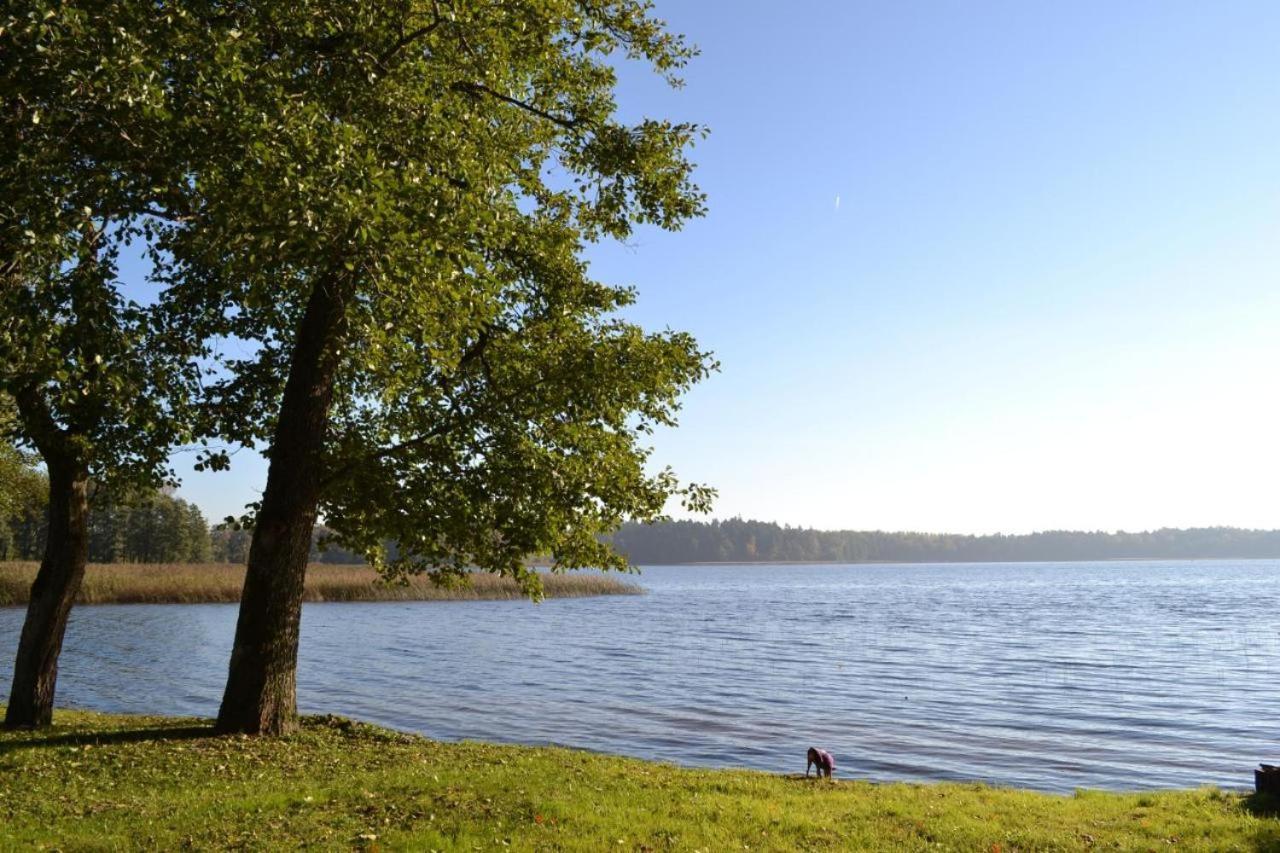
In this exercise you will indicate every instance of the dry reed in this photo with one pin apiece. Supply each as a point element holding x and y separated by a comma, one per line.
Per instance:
<point>188,583</point>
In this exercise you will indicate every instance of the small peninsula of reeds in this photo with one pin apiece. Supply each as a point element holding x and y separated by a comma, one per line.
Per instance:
<point>199,583</point>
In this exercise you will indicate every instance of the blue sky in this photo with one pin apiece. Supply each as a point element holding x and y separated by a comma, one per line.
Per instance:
<point>972,267</point>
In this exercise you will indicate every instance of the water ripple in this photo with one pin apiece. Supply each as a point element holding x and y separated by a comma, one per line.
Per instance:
<point>1047,676</point>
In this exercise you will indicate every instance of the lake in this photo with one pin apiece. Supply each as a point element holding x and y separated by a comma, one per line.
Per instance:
<point>1119,675</point>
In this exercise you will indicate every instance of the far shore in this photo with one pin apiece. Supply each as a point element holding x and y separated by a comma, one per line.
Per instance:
<point>215,583</point>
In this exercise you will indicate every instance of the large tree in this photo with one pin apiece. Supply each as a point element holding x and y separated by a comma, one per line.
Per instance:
<point>98,384</point>
<point>397,227</point>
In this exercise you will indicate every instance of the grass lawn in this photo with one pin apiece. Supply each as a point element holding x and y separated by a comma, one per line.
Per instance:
<point>98,781</point>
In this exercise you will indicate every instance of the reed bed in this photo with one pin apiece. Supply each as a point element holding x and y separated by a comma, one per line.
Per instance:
<point>201,583</point>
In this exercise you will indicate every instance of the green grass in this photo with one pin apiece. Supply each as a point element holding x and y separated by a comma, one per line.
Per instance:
<point>99,782</point>
<point>196,583</point>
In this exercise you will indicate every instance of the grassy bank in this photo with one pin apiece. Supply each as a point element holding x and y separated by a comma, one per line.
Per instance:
<point>186,583</point>
<point>111,782</point>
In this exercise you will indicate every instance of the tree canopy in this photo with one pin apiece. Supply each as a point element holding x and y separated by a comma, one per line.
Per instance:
<point>367,221</point>
<point>88,159</point>
<point>437,169</point>
<point>100,385</point>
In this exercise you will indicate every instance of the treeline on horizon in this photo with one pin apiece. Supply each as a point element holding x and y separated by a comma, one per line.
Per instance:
<point>740,540</point>
<point>158,527</point>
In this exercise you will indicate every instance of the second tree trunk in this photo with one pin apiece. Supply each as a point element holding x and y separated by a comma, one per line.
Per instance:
<point>35,671</point>
<point>260,696</point>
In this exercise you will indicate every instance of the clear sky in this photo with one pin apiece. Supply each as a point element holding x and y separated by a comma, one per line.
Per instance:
<point>970,266</point>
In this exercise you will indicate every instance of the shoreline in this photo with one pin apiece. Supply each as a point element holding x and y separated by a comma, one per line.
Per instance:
<point>217,583</point>
<point>118,781</point>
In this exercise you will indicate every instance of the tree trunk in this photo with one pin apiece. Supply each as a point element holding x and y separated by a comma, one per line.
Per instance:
<point>35,672</point>
<point>260,697</point>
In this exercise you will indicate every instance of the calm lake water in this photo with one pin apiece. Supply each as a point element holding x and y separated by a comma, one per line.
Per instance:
<point>1105,675</point>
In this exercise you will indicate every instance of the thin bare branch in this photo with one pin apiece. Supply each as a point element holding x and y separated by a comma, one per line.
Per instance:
<point>481,89</point>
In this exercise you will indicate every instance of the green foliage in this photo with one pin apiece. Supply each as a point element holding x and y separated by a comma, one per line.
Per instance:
<point>147,527</point>
<point>436,169</point>
<point>107,782</point>
<point>23,493</point>
<point>90,155</point>
<point>137,525</point>
<point>230,545</point>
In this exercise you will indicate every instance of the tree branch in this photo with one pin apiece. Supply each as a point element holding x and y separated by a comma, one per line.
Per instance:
<point>166,216</point>
<point>38,422</point>
<point>408,39</point>
<point>481,89</point>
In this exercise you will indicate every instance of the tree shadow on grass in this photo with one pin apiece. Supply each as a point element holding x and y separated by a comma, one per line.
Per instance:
<point>39,739</point>
<point>1265,806</point>
<point>1262,805</point>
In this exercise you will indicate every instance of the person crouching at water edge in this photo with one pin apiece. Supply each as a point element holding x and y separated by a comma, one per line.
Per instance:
<point>823,760</point>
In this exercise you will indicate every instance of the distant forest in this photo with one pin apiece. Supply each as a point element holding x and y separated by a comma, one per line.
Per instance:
<point>232,546</point>
<point>153,527</point>
<point>738,540</point>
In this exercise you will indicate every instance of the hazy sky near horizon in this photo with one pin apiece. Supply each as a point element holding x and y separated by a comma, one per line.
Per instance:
<point>969,267</point>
